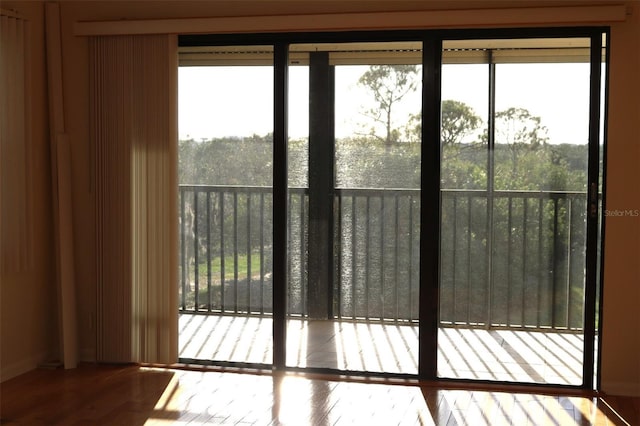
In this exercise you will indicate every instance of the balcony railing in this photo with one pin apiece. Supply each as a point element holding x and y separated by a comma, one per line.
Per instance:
<point>508,258</point>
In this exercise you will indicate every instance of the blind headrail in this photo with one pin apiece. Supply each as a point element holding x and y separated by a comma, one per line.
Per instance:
<point>419,19</point>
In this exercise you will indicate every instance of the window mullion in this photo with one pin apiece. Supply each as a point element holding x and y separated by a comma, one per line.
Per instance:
<point>280,195</point>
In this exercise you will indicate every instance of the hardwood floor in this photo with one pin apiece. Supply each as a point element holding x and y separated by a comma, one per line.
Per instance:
<point>133,395</point>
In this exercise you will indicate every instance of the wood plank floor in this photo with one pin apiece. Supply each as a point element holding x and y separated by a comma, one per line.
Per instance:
<point>133,395</point>
<point>502,355</point>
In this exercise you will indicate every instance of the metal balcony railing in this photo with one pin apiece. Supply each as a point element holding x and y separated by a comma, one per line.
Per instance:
<point>508,258</point>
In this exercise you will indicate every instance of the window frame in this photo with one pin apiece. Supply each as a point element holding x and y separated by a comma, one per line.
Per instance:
<point>432,41</point>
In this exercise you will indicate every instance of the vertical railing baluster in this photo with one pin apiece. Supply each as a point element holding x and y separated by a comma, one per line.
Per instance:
<point>411,258</point>
<point>235,251</point>
<point>249,252</point>
<point>468,259</point>
<point>196,257</point>
<point>489,228</point>
<point>303,282</point>
<point>382,277</point>
<point>396,266</point>
<point>183,250</point>
<point>555,263</point>
<point>262,253</point>
<point>338,249</point>
<point>509,243</point>
<point>289,283</point>
<point>569,204</point>
<point>454,302</point>
<point>539,266</point>
<point>353,257</point>
<point>525,204</point>
<point>208,250</point>
<point>366,254</point>
<point>222,252</point>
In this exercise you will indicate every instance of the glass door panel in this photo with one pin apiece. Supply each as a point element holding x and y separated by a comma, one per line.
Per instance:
<point>225,177</point>
<point>358,309</point>
<point>514,193</point>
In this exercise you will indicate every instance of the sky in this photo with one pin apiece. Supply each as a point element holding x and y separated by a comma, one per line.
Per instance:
<point>238,101</point>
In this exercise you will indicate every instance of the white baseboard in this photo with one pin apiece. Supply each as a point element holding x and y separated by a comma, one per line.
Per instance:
<point>9,371</point>
<point>621,388</point>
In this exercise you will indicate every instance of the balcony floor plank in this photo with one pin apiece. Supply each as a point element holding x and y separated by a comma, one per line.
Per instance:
<point>500,355</point>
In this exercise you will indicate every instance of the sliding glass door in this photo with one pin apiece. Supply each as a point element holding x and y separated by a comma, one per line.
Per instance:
<point>412,203</point>
<point>354,212</point>
<point>226,208</point>
<point>515,134</point>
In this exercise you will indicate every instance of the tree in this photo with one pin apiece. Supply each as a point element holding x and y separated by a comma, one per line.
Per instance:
<point>389,84</point>
<point>458,121</point>
<point>521,133</point>
<point>461,169</point>
<point>518,127</point>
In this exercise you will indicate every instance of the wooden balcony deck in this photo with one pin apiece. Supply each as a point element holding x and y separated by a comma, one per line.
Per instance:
<point>503,355</point>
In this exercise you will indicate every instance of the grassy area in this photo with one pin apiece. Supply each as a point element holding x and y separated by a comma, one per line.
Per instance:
<point>229,266</point>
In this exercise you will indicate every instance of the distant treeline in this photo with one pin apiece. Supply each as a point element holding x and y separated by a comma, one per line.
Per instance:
<point>362,163</point>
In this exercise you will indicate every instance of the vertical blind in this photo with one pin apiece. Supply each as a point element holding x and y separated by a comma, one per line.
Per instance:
<point>15,141</point>
<point>134,131</point>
